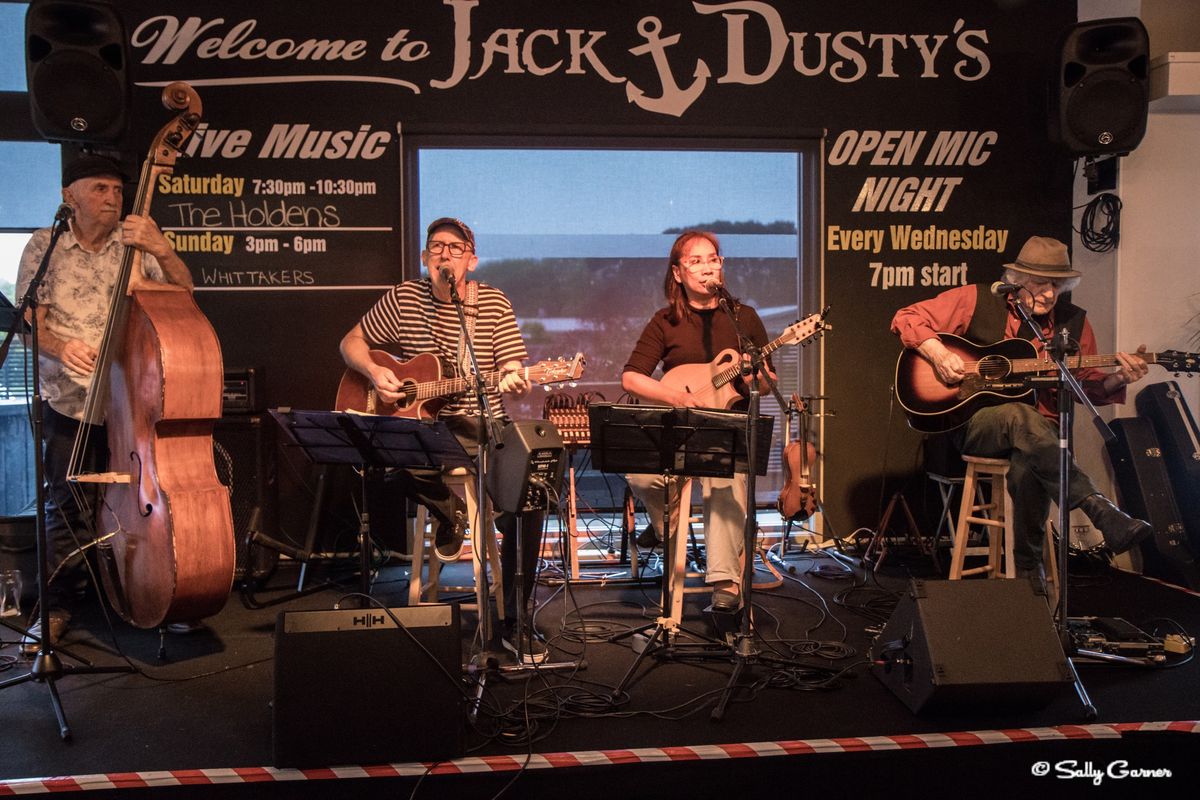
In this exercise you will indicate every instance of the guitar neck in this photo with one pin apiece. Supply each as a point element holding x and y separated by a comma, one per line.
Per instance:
<point>729,373</point>
<point>450,386</point>
<point>1075,362</point>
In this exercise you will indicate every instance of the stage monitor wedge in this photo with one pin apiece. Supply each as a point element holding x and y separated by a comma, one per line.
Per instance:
<point>75,71</point>
<point>1100,89</point>
<point>972,644</point>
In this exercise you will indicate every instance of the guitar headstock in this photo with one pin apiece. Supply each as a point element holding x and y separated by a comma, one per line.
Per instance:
<point>1178,361</point>
<point>558,370</point>
<point>805,329</point>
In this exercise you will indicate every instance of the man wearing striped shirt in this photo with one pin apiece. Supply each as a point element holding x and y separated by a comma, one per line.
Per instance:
<point>418,317</point>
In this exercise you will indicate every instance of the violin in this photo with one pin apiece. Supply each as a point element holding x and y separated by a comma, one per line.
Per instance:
<point>798,497</point>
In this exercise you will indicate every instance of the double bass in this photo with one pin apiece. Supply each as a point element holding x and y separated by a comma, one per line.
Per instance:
<point>798,497</point>
<point>167,544</point>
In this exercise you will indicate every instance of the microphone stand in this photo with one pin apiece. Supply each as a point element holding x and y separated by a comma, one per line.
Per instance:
<point>753,366</point>
<point>488,432</point>
<point>1058,350</point>
<point>47,667</point>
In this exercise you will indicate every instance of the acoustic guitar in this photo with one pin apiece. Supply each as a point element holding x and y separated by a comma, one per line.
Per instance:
<point>424,391</point>
<point>993,376</point>
<point>713,382</point>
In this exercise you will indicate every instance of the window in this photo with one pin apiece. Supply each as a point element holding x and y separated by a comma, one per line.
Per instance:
<point>29,195</point>
<point>578,238</point>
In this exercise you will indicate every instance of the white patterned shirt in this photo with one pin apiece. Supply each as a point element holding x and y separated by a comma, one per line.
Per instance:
<point>75,291</point>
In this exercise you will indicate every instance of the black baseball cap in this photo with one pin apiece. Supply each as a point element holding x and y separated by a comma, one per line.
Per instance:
<point>89,166</point>
<point>452,222</point>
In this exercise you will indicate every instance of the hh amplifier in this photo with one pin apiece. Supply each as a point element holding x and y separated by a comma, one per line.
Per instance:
<point>951,645</point>
<point>353,687</point>
<point>1164,405</point>
<point>526,465</point>
<point>1145,493</point>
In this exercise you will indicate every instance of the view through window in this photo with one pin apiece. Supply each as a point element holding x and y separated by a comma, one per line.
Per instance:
<point>578,239</point>
<point>29,184</point>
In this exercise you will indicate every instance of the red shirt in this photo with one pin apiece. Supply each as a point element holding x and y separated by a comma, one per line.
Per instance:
<point>952,311</point>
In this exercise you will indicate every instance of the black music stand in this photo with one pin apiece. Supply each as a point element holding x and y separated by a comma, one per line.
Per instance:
<point>674,443</point>
<point>372,443</point>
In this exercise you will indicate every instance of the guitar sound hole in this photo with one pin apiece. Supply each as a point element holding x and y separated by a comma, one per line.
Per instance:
<point>408,394</point>
<point>993,368</point>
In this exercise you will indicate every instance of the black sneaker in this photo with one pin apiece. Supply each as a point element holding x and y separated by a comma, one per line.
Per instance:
<point>533,647</point>
<point>448,539</point>
<point>648,538</point>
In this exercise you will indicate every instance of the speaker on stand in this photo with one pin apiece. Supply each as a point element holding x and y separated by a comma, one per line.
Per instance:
<point>75,68</point>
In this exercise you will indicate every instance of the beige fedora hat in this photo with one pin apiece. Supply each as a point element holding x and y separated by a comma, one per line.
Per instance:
<point>1044,257</point>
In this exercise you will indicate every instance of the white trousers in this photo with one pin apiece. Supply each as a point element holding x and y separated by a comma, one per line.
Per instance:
<point>724,519</point>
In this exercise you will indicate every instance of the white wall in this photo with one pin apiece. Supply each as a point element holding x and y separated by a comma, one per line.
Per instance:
<point>1148,290</point>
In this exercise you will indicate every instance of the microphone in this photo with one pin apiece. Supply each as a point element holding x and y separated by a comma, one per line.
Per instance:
<point>447,275</point>
<point>64,213</point>
<point>713,285</point>
<point>1001,288</point>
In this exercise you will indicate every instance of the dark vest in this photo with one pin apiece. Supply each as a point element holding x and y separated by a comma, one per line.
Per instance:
<point>991,317</point>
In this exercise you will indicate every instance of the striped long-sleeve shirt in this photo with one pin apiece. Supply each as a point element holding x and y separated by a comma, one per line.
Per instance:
<point>415,322</point>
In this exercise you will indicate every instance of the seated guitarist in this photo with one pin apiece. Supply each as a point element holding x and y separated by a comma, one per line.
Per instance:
<point>1022,433</point>
<point>693,329</point>
<point>418,317</point>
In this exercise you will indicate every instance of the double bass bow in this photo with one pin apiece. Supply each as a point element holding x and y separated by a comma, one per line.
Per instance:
<point>168,551</point>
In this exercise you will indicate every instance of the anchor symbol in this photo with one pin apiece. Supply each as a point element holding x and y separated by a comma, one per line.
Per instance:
<point>674,100</point>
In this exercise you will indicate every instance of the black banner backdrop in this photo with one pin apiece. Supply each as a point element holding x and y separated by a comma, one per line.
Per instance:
<point>937,165</point>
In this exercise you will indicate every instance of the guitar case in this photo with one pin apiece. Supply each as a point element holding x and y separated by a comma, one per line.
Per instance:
<point>1145,492</point>
<point>1164,405</point>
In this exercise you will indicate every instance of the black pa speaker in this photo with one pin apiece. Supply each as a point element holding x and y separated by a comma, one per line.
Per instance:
<point>525,462</point>
<point>75,68</point>
<point>971,644</point>
<point>1100,93</point>
<point>354,688</point>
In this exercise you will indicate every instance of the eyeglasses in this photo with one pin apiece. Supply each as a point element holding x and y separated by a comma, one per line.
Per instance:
<point>697,263</point>
<point>457,249</point>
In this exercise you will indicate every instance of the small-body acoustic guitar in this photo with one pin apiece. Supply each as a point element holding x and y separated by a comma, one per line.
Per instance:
<point>713,383</point>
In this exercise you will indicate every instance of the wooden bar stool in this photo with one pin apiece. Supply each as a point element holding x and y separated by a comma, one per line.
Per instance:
<point>677,572</point>
<point>424,580</point>
<point>993,512</point>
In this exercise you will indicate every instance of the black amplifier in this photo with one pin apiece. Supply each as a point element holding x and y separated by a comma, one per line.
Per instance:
<point>241,392</point>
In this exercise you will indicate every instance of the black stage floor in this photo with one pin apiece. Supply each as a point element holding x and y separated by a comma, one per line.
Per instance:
<point>207,706</point>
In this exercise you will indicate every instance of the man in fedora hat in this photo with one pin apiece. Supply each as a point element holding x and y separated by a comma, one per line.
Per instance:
<point>73,307</point>
<point>1026,434</point>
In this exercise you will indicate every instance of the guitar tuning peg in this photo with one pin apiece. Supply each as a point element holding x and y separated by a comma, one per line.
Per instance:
<point>572,384</point>
<point>545,388</point>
